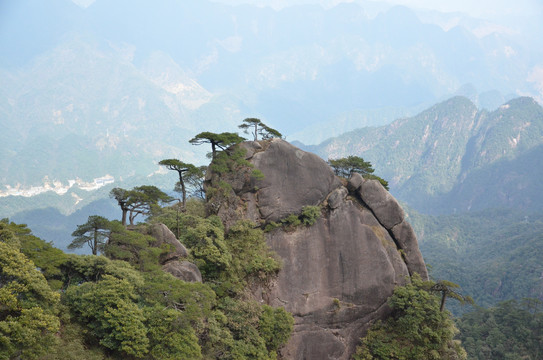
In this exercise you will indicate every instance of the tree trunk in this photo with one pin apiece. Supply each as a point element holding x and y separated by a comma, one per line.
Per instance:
<point>443,299</point>
<point>123,221</point>
<point>95,244</point>
<point>183,190</point>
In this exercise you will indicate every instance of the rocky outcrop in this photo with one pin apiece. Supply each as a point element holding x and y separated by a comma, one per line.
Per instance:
<point>183,270</point>
<point>172,261</point>
<point>337,273</point>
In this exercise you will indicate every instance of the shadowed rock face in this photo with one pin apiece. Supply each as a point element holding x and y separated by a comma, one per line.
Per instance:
<point>338,273</point>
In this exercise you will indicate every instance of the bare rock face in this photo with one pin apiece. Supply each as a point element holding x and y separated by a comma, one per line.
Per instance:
<point>172,261</point>
<point>163,235</point>
<point>292,179</point>
<point>183,270</point>
<point>338,273</point>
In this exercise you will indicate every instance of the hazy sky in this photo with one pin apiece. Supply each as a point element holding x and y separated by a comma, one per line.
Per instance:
<point>489,9</point>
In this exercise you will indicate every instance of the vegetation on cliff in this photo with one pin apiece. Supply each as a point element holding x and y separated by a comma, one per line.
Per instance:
<point>417,329</point>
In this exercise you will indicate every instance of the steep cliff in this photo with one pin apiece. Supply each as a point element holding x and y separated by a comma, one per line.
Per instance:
<point>338,272</point>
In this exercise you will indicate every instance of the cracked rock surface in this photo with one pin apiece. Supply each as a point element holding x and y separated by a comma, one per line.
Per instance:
<point>337,273</point>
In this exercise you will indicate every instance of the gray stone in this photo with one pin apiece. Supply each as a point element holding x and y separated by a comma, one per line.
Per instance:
<point>407,241</point>
<point>292,179</point>
<point>183,270</point>
<point>385,207</point>
<point>336,197</point>
<point>163,235</point>
<point>355,182</point>
<point>349,257</point>
<point>251,147</point>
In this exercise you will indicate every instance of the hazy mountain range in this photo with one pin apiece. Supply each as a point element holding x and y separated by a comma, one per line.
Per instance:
<point>455,157</point>
<point>112,88</point>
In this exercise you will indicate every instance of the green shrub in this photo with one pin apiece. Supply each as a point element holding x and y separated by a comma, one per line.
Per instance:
<point>310,214</point>
<point>292,221</point>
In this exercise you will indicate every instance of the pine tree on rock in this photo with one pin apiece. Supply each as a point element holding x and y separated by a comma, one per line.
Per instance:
<point>345,167</point>
<point>138,201</point>
<point>257,127</point>
<point>183,170</point>
<point>93,233</point>
<point>218,141</point>
<point>122,197</point>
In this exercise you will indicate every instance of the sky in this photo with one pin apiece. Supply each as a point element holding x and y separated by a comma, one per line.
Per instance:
<point>485,9</point>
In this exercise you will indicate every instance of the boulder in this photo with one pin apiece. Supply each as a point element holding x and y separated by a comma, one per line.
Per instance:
<point>292,179</point>
<point>183,270</point>
<point>355,182</point>
<point>336,197</point>
<point>338,273</point>
<point>163,235</point>
<point>383,205</point>
<point>407,240</point>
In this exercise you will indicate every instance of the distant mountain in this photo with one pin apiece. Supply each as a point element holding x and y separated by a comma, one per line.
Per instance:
<point>442,159</point>
<point>113,88</point>
<point>51,225</point>
<point>81,111</point>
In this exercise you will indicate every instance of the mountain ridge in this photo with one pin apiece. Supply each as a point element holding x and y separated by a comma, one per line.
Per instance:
<point>425,156</point>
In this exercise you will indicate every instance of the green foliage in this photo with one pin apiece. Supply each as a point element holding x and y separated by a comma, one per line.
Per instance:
<point>448,289</point>
<point>272,225</point>
<point>124,306</point>
<point>194,301</point>
<point>252,259</point>
<point>205,239</point>
<point>72,344</point>
<point>292,221</point>
<point>510,330</point>
<point>134,247</point>
<point>164,309</point>
<point>167,339</point>
<point>228,167</point>
<point>78,269</point>
<point>230,263</point>
<point>257,127</point>
<point>417,328</point>
<point>28,306</point>
<point>195,182</point>
<point>46,257</point>
<point>93,233</point>
<point>493,255</point>
<point>222,141</point>
<point>275,326</point>
<point>345,167</point>
<point>246,330</point>
<point>310,214</point>
<point>184,170</point>
<point>141,200</point>
<point>307,217</point>
<point>107,307</point>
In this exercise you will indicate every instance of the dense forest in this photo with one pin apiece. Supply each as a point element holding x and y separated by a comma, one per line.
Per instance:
<point>495,255</point>
<point>121,305</point>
